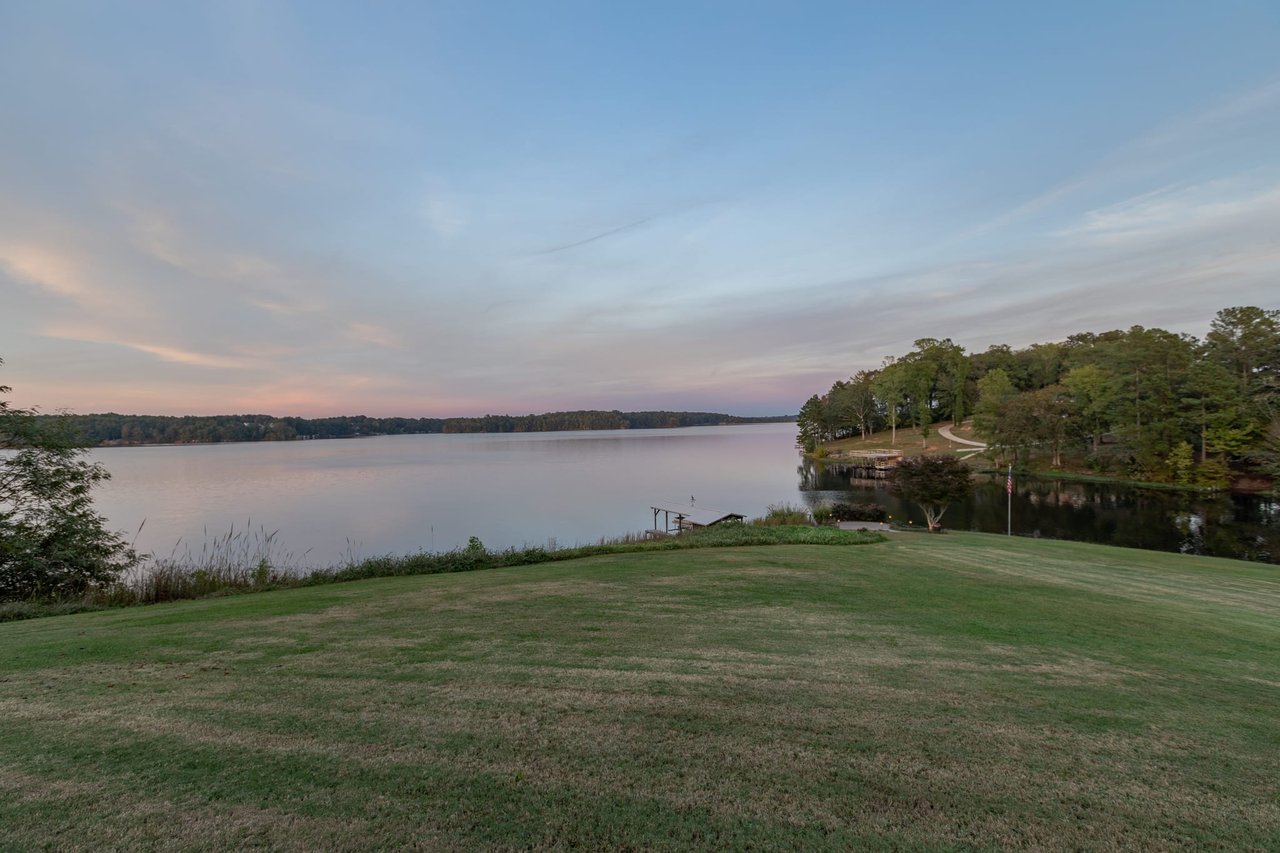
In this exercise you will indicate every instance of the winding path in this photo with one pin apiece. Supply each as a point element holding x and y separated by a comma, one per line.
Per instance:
<point>945,432</point>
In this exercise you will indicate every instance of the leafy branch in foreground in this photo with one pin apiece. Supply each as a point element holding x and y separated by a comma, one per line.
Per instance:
<point>53,545</point>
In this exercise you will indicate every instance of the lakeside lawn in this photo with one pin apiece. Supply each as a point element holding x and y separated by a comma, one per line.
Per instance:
<point>909,441</point>
<point>930,692</point>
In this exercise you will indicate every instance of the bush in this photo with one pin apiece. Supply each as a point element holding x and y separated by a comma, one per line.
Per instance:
<point>849,511</point>
<point>1100,463</point>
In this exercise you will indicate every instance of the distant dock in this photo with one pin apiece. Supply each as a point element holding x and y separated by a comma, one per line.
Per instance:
<point>867,464</point>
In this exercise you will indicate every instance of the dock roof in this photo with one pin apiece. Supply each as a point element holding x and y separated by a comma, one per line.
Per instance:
<point>697,515</point>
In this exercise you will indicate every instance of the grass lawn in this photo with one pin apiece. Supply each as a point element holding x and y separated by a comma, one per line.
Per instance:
<point>931,692</point>
<point>909,441</point>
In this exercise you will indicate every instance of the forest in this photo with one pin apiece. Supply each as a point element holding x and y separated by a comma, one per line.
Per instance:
<point>108,430</point>
<point>1144,403</point>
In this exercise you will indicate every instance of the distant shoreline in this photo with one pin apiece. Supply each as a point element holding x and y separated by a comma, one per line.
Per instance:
<point>115,430</point>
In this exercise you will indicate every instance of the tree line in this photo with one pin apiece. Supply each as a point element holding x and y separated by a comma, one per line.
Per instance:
<point>1148,403</point>
<point>111,429</point>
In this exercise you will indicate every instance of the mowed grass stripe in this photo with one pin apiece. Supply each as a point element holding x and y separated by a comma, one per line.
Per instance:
<point>930,692</point>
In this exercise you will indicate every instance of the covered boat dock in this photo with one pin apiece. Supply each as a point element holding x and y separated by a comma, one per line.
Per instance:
<point>677,518</point>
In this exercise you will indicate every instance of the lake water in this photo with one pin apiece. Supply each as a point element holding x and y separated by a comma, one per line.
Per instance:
<point>400,494</point>
<point>1214,524</point>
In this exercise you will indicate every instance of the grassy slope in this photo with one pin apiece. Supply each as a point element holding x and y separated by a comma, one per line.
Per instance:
<point>909,441</point>
<point>930,692</point>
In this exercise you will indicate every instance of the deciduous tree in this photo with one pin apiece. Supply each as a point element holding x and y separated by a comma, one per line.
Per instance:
<point>932,483</point>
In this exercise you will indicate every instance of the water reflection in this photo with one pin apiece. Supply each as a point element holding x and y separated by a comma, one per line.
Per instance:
<point>1224,525</point>
<point>399,494</point>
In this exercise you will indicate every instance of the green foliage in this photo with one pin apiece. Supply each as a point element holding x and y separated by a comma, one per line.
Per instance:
<point>1138,394</point>
<point>822,514</point>
<point>852,407</point>
<point>811,424</point>
<point>932,483</point>
<point>52,544</point>
<point>1212,473</point>
<point>1180,463</point>
<point>890,386</point>
<point>995,390</point>
<point>1092,395</point>
<point>924,419</point>
<point>849,511</point>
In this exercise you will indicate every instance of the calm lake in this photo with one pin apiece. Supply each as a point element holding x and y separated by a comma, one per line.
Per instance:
<point>399,494</point>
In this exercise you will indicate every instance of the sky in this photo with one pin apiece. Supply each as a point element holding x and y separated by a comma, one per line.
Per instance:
<point>458,208</point>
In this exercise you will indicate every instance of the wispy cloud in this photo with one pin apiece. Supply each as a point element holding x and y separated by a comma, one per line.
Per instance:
<point>174,354</point>
<point>1150,155</point>
<point>1171,212</point>
<point>50,270</point>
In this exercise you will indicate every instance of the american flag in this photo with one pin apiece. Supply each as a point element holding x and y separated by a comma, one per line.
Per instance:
<point>1008,483</point>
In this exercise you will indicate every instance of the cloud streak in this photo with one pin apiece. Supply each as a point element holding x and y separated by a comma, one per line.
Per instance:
<point>603,235</point>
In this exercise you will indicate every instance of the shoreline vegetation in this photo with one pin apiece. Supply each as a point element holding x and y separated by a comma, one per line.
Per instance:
<point>1075,466</point>
<point>115,430</point>
<point>249,561</point>
<point>1140,406</point>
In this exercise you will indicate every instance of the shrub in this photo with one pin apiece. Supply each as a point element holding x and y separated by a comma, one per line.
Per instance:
<point>849,511</point>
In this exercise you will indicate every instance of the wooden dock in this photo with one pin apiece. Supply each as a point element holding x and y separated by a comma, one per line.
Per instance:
<point>867,464</point>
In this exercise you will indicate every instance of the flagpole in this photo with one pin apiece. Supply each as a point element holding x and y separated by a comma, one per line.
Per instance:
<point>1008,490</point>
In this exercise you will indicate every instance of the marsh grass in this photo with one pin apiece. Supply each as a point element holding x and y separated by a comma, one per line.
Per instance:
<point>783,515</point>
<point>240,560</point>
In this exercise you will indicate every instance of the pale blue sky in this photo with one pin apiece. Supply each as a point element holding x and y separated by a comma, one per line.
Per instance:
<point>456,208</point>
